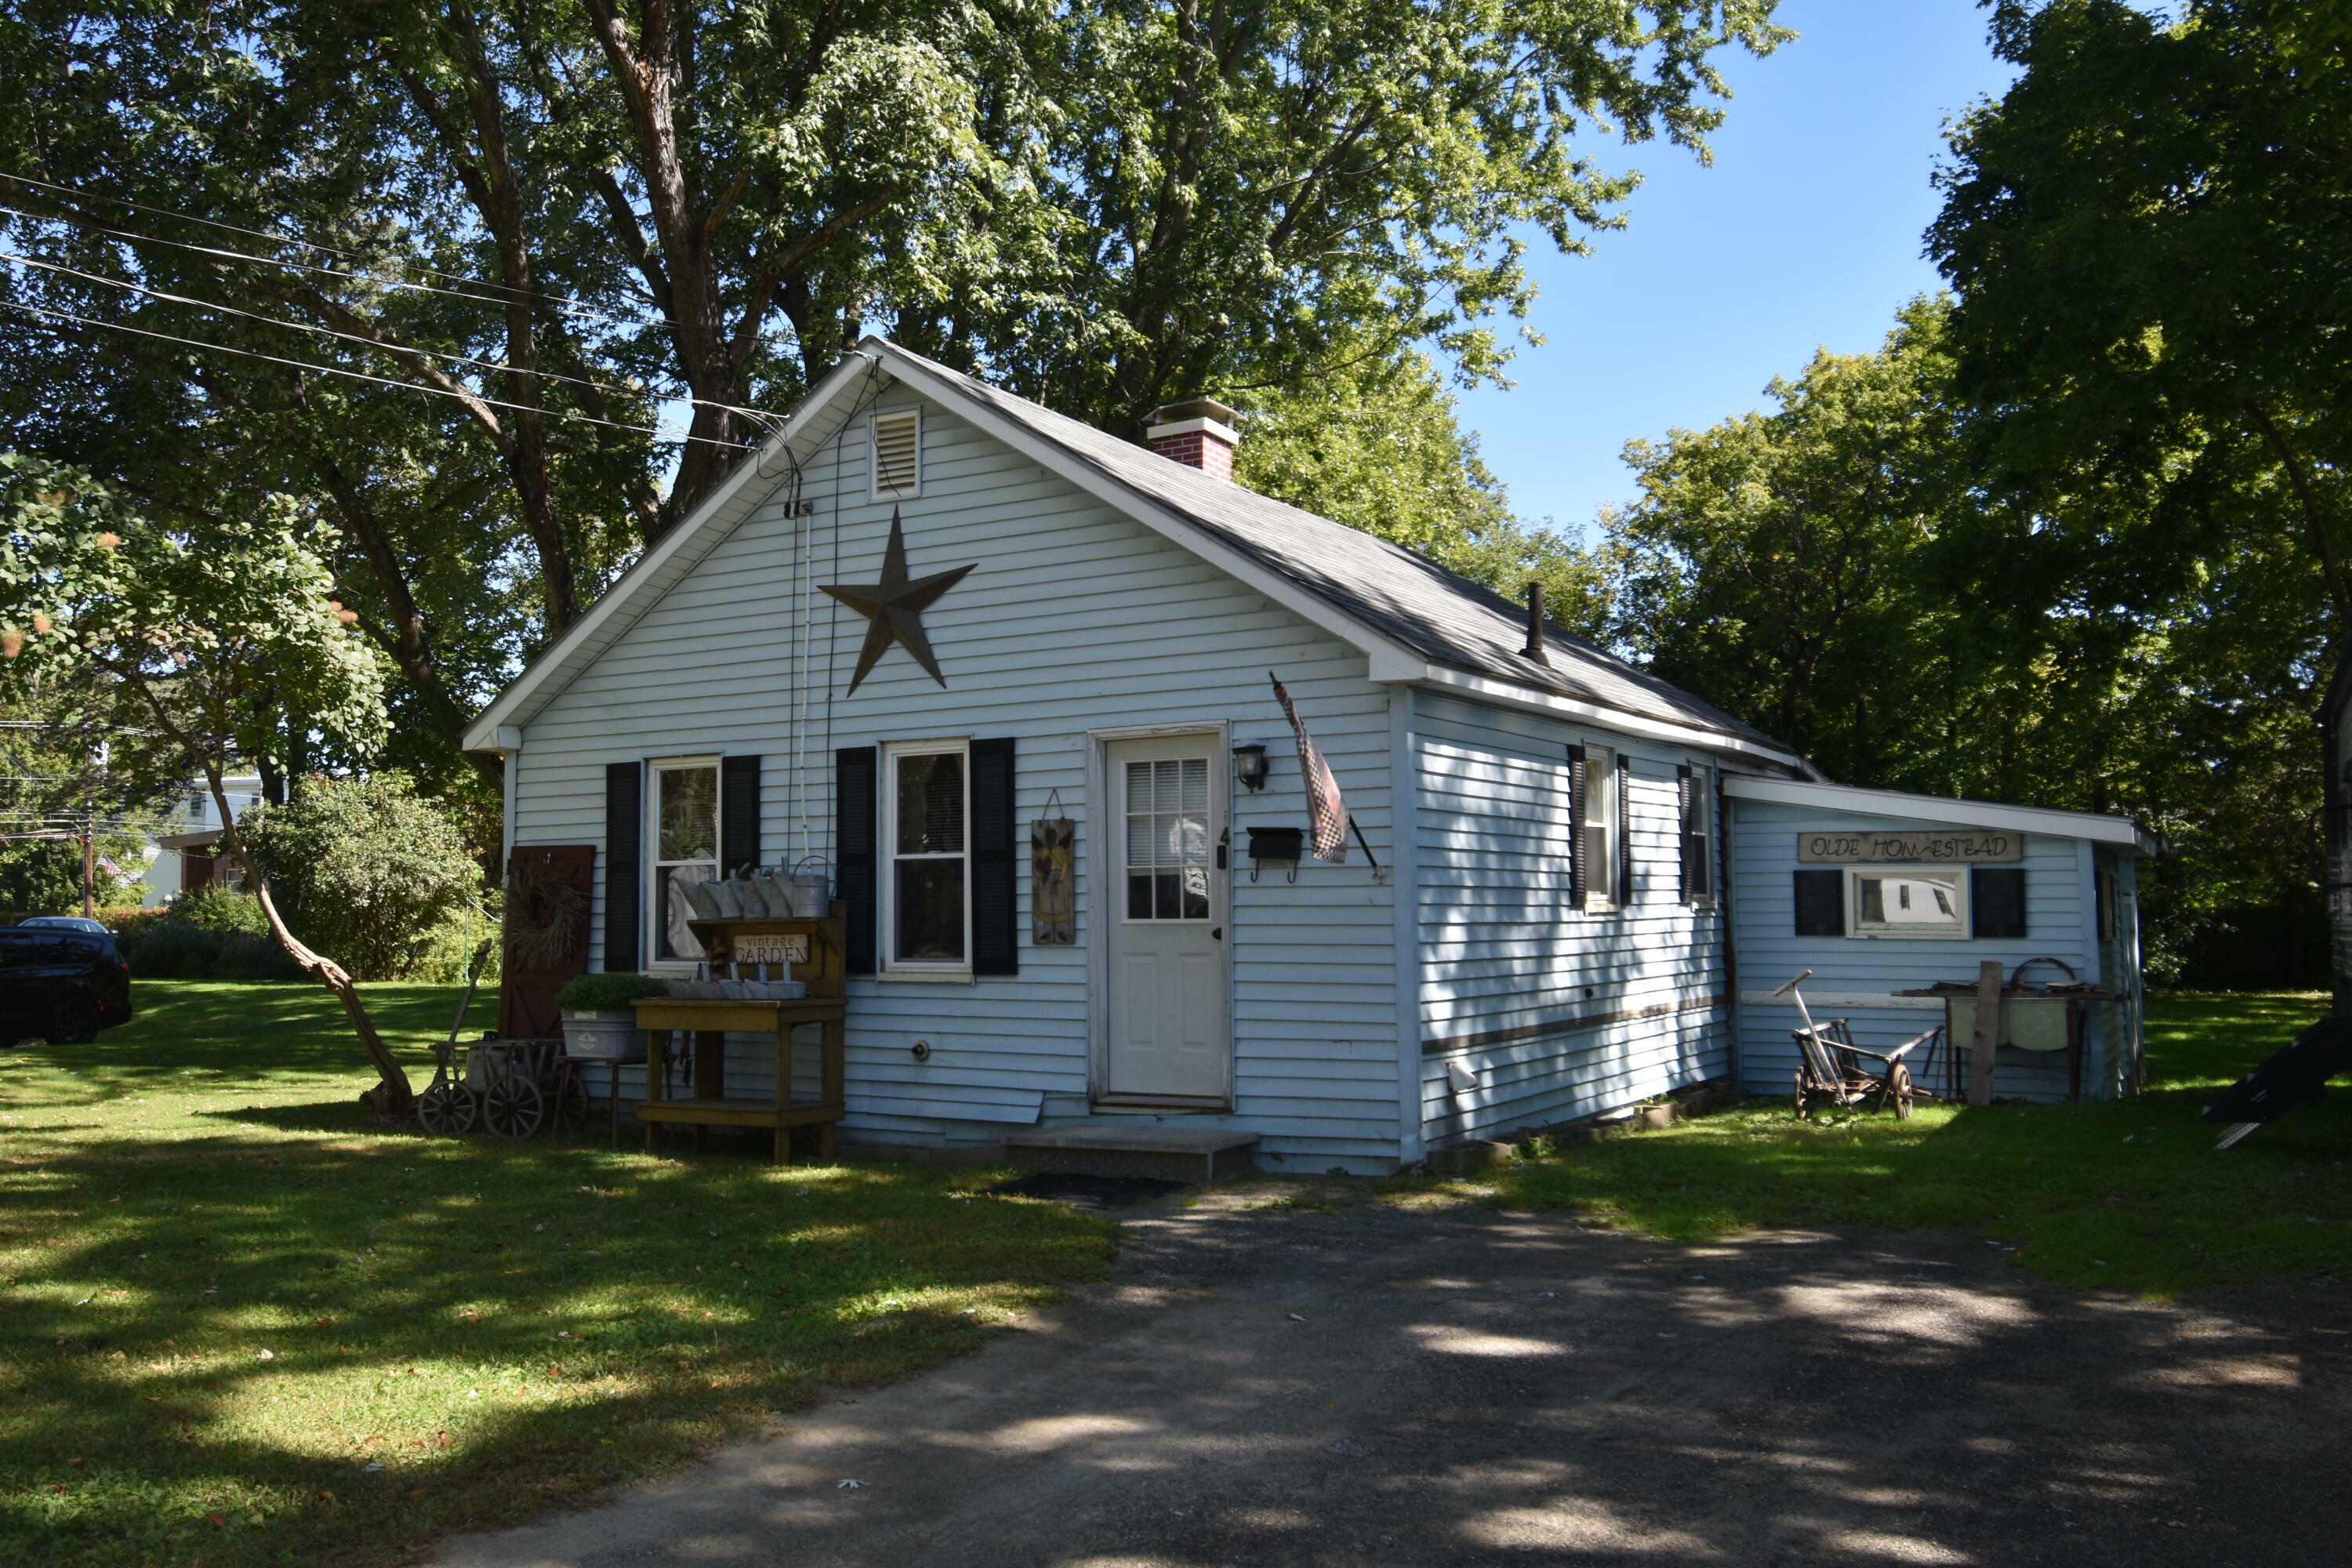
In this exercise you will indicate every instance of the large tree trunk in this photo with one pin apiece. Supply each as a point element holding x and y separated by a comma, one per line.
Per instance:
<point>2336,786</point>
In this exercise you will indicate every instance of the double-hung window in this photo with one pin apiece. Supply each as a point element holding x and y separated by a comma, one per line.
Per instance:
<point>1600,846</point>
<point>927,887</point>
<point>684,830</point>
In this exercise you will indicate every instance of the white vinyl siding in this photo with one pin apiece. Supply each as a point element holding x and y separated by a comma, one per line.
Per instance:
<point>1077,619</point>
<point>1532,1011</point>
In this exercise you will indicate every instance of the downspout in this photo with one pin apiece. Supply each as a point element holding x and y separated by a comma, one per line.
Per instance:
<point>1730,950</point>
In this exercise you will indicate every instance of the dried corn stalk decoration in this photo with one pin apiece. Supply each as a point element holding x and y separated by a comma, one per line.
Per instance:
<point>546,913</point>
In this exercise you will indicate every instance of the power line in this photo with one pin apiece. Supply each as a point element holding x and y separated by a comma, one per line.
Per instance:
<point>756,416</point>
<point>289,239</point>
<point>651,431</point>
<point>135,237</point>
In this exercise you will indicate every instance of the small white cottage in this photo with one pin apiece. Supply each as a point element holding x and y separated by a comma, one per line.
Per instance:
<point>931,624</point>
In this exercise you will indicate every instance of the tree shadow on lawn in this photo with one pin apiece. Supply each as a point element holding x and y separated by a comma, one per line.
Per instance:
<point>497,1324</point>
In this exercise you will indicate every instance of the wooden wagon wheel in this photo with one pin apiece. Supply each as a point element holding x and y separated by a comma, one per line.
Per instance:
<point>1898,1089</point>
<point>513,1106</point>
<point>447,1107</point>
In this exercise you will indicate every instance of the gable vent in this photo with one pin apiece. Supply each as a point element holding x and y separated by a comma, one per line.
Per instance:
<point>898,454</point>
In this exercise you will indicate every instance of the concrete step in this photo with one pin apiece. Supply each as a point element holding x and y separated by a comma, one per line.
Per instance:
<point>1171,1153</point>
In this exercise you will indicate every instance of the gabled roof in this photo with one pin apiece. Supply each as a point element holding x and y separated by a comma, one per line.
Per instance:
<point>1414,620</point>
<point>2097,826</point>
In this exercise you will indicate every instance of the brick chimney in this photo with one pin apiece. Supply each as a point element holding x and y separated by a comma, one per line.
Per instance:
<point>1198,433</point>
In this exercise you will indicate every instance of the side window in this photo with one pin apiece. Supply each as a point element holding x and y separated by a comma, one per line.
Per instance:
<point>1698,834</point>
<point>928,882</point>
<point>1600,846</point>
<point>1909,901</point>
<point>684,833</point>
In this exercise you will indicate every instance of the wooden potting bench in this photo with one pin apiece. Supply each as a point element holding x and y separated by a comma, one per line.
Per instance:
<point>671,1022</point>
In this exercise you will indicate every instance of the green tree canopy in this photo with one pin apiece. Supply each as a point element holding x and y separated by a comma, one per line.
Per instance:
<point>2154,348</point>
<point>565,220</point>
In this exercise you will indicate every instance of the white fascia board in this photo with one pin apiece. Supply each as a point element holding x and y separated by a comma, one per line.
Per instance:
<point>670,557</point>
<point>1503,694</point>
<point>2092,826</point>
<point>1163,521</point>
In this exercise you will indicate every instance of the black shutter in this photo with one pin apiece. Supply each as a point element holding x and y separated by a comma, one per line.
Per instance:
<point>1821,901</point>
<point>738,813</point>
<point>1686,876</point>
<point>854,801</point>
<point>624,837</point>
<point>1996,901</point>
<point>996,901</point>
<point>1577,857</point>
<point>1624,828</point>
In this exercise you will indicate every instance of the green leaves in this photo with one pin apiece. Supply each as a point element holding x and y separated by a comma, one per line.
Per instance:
<point>201,638</point>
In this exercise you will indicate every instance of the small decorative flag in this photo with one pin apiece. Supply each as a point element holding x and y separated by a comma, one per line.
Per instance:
<point>110,867</point>
<point>1326,814</point>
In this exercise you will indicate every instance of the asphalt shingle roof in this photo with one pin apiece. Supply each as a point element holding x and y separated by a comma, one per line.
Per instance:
<point>1412,602</point>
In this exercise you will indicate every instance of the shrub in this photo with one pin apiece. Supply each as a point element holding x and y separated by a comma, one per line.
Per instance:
<point>217,909</point>
<point>363,870</point>
<point>602,992</point>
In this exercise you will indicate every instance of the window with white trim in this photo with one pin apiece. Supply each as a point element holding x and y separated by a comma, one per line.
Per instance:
<point>1698,834</point>
<point>1910,901</point>
<point>1600,843</point>
<point>683,848</point>
<point>898,454</point>
<point>927,885</point>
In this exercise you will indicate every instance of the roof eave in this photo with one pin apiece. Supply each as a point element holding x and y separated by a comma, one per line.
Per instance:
<point>1531,699</point>
<point>2099,827</point>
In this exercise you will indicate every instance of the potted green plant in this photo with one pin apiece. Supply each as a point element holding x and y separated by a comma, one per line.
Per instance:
<point>598,1020</point>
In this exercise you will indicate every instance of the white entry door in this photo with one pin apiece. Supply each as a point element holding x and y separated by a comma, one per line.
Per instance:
<point>1170,1025</point>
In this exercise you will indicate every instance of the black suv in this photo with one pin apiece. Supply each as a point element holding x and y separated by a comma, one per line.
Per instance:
<point>60,985</point>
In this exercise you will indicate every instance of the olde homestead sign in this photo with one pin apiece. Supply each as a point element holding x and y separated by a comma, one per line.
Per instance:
<point>1850,848</point>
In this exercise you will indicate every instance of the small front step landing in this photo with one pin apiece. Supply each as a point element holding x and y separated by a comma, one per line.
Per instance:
<point>1171,1153</point>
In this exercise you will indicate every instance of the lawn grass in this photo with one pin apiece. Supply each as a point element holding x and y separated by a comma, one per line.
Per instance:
<point>2130,1196</point>
<point>239,1325</point>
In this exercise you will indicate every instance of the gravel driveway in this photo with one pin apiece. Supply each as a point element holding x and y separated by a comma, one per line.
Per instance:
<point>1454,1385</point>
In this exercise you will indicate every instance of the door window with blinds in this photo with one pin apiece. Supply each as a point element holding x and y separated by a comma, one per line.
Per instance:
<point>928,884</point>
<point>1168,850</point>
<point>898,455</point>
<point>685,833</point>
<point>1600,843</point>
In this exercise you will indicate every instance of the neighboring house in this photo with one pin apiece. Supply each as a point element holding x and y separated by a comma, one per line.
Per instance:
<point>190,858</point>
<point>1545,934</point>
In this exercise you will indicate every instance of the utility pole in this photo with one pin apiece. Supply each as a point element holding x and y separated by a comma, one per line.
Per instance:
<point>89,854</point>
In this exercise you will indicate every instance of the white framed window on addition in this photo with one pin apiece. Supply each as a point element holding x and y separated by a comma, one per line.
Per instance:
<point>896,461</point>
<point>682,847</point>
<point>927,886</point>
<point>1910,901</point>
<point>1599,828</point>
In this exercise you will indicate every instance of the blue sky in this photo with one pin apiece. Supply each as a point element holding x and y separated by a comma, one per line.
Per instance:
<point>1805,233</point>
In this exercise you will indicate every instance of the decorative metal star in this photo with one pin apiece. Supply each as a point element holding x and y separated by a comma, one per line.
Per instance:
<point>894,608</point>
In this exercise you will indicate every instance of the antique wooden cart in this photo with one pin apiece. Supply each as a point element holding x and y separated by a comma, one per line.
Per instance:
<point>687,1035</point>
